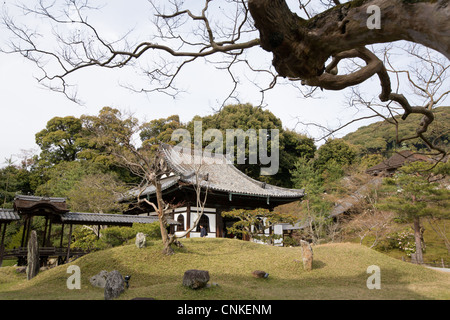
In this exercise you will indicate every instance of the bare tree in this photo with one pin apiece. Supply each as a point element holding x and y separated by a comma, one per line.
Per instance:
<point>151,167</point>
<point>307,45</point>
<point>199,188</point>
<point>371,222</point>
<point>112,134</point>
<point>438,226</point>
<point>425,80</point>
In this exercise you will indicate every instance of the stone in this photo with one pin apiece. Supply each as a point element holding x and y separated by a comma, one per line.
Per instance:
<point>195,279</point>
<point>178,244</point>
<point>52,262</point>
<point>214,284</point>
<point>140,240</point>
<point>307,255</point>
<point>21,269</point>
<point>99,280</point>
<point>260,274</point>
<point>32,256</point>
<point>114,285</point>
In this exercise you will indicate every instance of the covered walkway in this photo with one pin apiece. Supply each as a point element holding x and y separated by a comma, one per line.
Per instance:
<point>55,211</point>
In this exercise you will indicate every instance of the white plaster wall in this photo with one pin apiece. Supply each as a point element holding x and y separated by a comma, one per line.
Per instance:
<point>277,229</point>
<point>212,225</point>
<point>193,234</point>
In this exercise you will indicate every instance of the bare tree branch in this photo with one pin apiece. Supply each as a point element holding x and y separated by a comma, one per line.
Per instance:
<point>221,32</point>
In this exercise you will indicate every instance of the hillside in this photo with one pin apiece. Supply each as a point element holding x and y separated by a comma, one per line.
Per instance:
<point>340,272</point>
<point>379,137</point>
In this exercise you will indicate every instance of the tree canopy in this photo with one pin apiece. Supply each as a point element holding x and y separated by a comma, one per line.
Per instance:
<point>59,141</point>
<point>292,145</point>
<point>380,137</point>
<point>415,197</point>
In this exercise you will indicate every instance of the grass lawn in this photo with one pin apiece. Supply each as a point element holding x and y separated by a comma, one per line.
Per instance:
<point>340,272</point>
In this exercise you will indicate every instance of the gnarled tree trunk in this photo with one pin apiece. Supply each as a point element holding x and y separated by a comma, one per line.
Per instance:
<point>166,238</point>
<point>301,47</point>
<point>418,240</point>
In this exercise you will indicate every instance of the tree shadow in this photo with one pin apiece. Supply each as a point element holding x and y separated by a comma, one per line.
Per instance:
<point>317,264</point>
<point>317,284</point>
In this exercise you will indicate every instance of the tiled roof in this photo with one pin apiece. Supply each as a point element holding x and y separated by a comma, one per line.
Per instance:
<point>165,184</point>
<point>8,215</point>
<point>216,173</point>
<point>23,203</point>
<point>398,160</point>
<point>38,198</point>
<point>104,218</point>
<point>79,217</point>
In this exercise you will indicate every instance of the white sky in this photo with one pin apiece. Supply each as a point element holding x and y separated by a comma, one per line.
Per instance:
<point>25,106</point>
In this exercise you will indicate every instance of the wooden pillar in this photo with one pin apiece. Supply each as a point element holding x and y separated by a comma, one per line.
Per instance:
<point>49,233</point>
<point>62,235</point>
<point>25,227</point>
<point>219,223</point>
<point>26,230</point>
<point>22,260</point>
<point>188,219</point>
<point>2,247</point>
<point>60,256</point>
<point>30,223</point>
<point>44,238</point>
<point>270,234</point>
<point>68,246</point>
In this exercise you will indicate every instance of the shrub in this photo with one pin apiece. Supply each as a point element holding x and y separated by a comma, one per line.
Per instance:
<point>85,239</point>
<point>116,236</point>
<point>403,241</point>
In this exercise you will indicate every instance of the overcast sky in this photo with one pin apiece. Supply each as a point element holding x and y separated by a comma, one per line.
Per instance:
<point>25,106</point>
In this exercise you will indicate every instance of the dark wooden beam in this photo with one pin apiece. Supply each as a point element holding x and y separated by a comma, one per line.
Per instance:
<point>68,245</point>
<point>45,232</point>
<point>188,219</point>
<point>2,247</point>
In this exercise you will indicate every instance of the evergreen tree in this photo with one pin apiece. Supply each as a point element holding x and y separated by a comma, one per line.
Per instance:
<point>414,197</point>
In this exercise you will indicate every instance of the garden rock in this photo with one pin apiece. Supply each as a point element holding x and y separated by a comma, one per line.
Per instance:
<point>195,279</point>
<point>307,255</point>
<point>21,269</point>
<point>140,240</point>
<point>32,256</point>
<point>99,280</point>
<point>114,286</point>
<point>260,274</point>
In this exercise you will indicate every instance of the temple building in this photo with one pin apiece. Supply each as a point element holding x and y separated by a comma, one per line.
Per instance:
<point>224,186</point>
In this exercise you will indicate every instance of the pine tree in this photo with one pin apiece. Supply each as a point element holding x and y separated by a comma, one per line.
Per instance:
<point>416,197</point>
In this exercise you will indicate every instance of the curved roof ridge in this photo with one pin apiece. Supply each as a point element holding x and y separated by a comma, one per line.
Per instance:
<point>222,174</point>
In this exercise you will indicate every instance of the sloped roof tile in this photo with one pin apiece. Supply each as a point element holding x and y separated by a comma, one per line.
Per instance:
<point>7,215</point>
<point>104,218</point>
<point>216,173</point>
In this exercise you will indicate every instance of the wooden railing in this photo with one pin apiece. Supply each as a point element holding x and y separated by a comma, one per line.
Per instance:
<point>43,252</point>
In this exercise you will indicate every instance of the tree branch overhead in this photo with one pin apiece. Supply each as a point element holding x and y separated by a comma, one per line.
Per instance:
<point>221,32</point>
